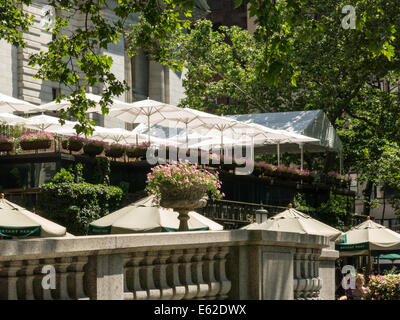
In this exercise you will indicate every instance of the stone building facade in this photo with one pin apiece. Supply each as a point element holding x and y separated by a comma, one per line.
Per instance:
<point>145,77</point>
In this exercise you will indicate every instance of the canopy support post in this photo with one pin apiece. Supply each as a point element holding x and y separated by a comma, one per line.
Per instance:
<point>187,137</point>
<point>341,162</point>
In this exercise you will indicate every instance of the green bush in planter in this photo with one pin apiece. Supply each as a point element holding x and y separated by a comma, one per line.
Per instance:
<point>35,141</point>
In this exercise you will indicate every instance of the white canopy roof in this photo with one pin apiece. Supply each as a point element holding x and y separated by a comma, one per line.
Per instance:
<point>10,104</point>
<point>65,104</point>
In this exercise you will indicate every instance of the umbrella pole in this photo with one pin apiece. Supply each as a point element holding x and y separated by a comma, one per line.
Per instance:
<point>278,153</point>
<point>187,138</point>
<point>148,126</point>
<point>369,263</point>
<point>301,156</point>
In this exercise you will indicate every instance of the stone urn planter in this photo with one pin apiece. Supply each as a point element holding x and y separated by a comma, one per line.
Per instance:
<point>183,201</point>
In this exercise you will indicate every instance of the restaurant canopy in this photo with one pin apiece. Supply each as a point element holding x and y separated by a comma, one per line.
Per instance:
<point>144,216</point>
<point>313,123</point>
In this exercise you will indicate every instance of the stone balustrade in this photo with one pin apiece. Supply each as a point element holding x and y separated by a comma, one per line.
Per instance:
<point>237,264</point>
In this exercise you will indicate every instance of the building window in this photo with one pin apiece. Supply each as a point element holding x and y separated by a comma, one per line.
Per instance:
<point>140,76</point>
<point>55,92</point>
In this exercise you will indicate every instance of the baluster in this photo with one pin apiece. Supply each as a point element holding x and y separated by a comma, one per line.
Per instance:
<point>316,279</point>
<point>47,293</point>
<point>197,271</point>
<point>297,276</point>
<point>62,275</point>
<point>152,292</point>
<point>30,266</point>
<point>221,274</point>
<point>10,271</point>
<point>79,274</point>
<point>209,274</point>
<point>161,276</point>
<point>190,287</point>
<point>308,274</point>
<point>139,292</point>
<point>128,277</point>
<point>173,275</point>
<point>302,281</point>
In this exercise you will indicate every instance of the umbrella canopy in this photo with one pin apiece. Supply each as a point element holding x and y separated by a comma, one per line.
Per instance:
<point>371,237</point>
<point>10,104</point>
<point>12,119</point>
<point>48,123</point>
<point>143,216</point>
<point>16,221</point>
<point>150,112</point>
<point>292,220</point>
<point>392,256</point>
<point>65,104</point>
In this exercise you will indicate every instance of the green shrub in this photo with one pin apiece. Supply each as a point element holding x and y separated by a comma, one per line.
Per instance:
<point>75,205</point>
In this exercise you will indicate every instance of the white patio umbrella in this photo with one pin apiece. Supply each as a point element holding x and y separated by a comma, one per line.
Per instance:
<point>65,104</point>
<point>16,221</point>
<point>11,119</point>
<point>292,220</point>
<point>48,123</point>
<point>154,113</point>
<point>10,104</point>
<point>143,216</point>
<point>213,123</point>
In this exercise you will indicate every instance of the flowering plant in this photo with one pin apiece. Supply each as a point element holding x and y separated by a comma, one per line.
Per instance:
<point>36,136</point>
<point>383,287</point>
<point>74,143</point>
<point>4,138</point>
<point>183,177</point>
<point>34,141</point>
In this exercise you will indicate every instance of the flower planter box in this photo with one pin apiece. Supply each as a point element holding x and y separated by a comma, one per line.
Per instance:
<point>35,144</point>
<point>93,149</point>
<point>6,146</point>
